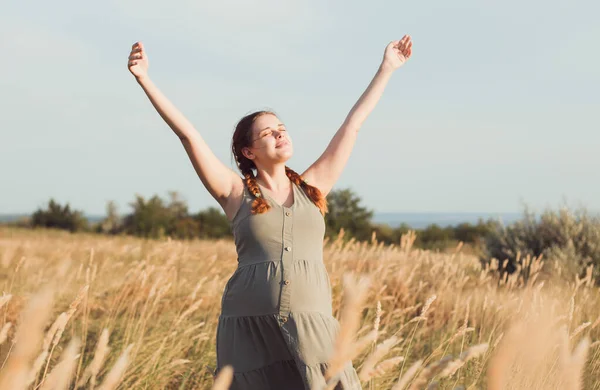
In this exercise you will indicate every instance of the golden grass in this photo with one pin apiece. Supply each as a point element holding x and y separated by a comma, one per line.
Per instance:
<point>119,312</point>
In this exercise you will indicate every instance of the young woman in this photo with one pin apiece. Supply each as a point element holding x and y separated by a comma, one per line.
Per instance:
<point>276,327</point>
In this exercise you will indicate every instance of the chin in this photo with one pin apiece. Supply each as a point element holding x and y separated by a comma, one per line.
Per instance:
<point>285,152</point>
<point>284,157</point>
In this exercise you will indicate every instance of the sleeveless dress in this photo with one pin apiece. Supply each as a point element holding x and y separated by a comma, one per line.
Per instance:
<point>276,326</point>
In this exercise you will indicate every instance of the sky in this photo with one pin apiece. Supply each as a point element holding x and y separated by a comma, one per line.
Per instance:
<point>497,107</point>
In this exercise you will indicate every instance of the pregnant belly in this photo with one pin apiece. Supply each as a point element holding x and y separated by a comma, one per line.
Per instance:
<point>256,289</point>
<point>253,290</point>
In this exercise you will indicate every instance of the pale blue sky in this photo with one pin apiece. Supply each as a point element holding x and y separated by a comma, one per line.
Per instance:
<point>499,105</point>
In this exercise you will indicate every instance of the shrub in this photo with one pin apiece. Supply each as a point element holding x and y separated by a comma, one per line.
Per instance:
<point>60,217</point>
<point>572,238</point>
<point>346,212</point>
<point>213,223</point>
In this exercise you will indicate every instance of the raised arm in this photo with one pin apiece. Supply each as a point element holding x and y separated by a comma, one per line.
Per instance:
<point>324,172</point>
<point>219,180</point>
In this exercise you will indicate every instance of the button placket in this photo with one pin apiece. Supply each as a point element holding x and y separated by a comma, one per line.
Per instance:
<point>287,259</point>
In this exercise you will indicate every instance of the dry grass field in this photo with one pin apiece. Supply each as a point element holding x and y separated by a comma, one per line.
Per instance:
<point>91,311</point>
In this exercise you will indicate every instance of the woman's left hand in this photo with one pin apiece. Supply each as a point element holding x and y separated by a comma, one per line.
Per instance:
<point>397,53</point>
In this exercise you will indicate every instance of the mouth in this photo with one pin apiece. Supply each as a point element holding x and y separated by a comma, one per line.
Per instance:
<point>280,144</point>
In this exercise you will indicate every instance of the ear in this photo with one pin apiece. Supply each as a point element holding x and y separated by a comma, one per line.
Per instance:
<point>248,153</point>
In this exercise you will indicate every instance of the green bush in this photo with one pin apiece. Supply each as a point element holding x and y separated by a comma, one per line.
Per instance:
<point>434,237</point>
<point>150,218</point>
<point>570,237</point>
<point>186,228</point>
<point>475,234</point>
<point>212,223</point>
<point>156,218</point>
<point>389,235</point>
<point>59,217</point>
<point>346,212</point>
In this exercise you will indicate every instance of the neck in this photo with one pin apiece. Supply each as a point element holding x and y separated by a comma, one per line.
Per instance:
<point>273,178</point>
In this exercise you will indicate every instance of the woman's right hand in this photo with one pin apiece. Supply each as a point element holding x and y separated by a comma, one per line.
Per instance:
<point>138,61</point>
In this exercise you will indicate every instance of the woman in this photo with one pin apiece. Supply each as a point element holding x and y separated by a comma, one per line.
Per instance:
<point>276,326</point>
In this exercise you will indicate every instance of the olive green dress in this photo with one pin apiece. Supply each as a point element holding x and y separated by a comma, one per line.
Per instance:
<point>276,326</point>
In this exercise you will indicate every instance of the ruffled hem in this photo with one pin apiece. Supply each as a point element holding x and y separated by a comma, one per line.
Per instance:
<point>277,376</point>
<point>287,375</point>
<point>268,354</point>
<point>314,377</point>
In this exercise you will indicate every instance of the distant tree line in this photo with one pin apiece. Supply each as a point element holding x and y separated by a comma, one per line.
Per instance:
<point>346,212</point>
<point>157,217</point>
<point>571,237</point>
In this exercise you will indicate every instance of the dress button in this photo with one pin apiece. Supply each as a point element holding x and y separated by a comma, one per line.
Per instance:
<point>283,320</point>
<point>286,282</point>
<point>288,248</point>
<point>288,213</point>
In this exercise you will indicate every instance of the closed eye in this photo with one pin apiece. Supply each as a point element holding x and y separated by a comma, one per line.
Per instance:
<point>269,133</point>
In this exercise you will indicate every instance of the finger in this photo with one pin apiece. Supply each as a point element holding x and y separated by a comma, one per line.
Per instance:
<point>136,54</point>
<point>135,45</point>
<point>136,50</point>
<point>135,57</point>
<point>409,45</point>
<point>403,42</point>
<point>132,63</point>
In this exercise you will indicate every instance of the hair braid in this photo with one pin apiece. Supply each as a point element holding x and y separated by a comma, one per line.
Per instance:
<point>312,192</point>
<point>260,204</point>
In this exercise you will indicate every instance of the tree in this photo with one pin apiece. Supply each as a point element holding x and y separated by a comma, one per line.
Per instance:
<point>213,223</point>
<point>112,223</point>
<point>155,218</point>
<point>474,234</point>
<point>345,211</point>
<point>390,235</point>
<point>60,217</point>
<point>177,206</point>
<point>149,218</point>
<point>186,228</point>
<point>434,237</point>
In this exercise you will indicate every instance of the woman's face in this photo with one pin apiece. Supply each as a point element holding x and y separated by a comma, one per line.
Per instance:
<point>270,141</point>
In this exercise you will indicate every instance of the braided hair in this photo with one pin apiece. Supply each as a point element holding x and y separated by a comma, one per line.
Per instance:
<point>242,137</point>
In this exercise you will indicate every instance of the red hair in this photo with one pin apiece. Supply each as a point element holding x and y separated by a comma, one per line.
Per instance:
<point>242,137</point>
